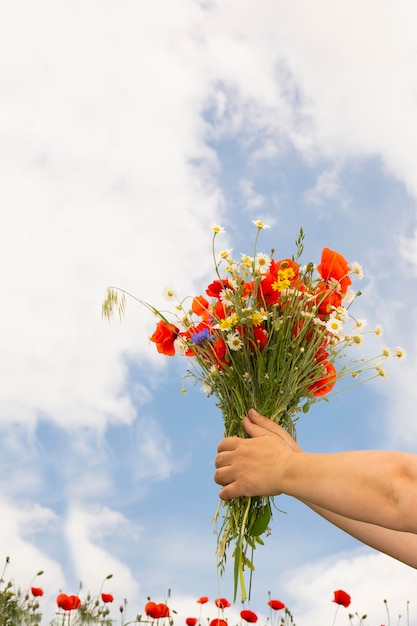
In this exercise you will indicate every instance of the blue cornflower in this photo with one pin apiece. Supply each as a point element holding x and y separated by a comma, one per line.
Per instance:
<point>201,336</point>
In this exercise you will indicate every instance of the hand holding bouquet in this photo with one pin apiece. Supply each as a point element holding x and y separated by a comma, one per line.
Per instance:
<point>270,334</point>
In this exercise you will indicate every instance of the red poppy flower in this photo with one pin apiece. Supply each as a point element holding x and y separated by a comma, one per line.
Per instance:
<point>261,337</point>
<point>220,350</point>
<point>267,295</point>
<point>327,299</point>
<point>36,591</point>
<point>218,622</point>
<point>326,383</point>
<point>222,603</point>
<point>200,307</point>
<point>214,289</point>
<point>164,610</point>
<point>203,600</point>
<point>68,603</point>
<point>107,597</point>
<point>341,597</point>
<point>334,266</point>
<point>164,337</point>
<point>156,611</point>
<point>191,621</point>
<point>149,606</point>
<point>276,605</point>
<point>249,616</point>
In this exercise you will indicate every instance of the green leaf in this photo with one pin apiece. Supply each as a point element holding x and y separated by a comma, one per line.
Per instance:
<point>237,555</point>
<point>261,523</point>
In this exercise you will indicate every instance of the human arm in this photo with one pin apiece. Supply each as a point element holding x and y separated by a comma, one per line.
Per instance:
<point>372,495</point>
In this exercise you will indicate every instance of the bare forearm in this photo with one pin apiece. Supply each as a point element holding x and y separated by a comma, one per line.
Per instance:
<point>397,544</point>
<point>368,486</point>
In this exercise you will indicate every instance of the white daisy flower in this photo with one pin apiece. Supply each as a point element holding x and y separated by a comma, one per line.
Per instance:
<point>234,341</point>
<point>206,388</point>
<point>180,346</point>
<point>357,270</point>
<point>226,255</point>
<point>349,296</point>
<point>357,340</point>
<point>226,296</point>
<point>340,313</point>
<point>400,353</point>
<point>386,352</point>
<point>378,330</point>
<point>381,371</point>
<point>262,262</point>
<point>216,228</point>
<point>259,224</point>
<point>361,323</point>
<point>169,294</point>
<point>334,325</point>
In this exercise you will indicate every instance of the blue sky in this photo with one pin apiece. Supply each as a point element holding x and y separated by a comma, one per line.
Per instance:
<point>127,129</point>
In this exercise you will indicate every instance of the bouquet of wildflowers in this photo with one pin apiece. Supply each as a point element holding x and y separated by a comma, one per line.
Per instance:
<point>269,334</point>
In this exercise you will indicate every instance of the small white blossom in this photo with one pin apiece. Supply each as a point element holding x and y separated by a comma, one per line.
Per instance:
<point>357,270</point>
<point>169,294</point>
<point>207,389</point>
<point>234,341</point>
<point>226,255</point>
<point>386,352</point>
<point>259,224</point>
<point>381,371</point>
<point>357,340</point>
<point>262,263</point>
<point>378,330</point>
<point>217,229</point>
<point>400,353</point>
<point>361,323</point>
<point>226,296</point>
<point>340,313</point>
<point>180,346</point>
<point>334,325</point>
<point>349,296</point>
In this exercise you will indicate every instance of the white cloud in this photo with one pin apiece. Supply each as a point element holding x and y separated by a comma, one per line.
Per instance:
<point>368,578</point>
<point>98,188</point>
<point>253,200</point>
<point>92,532</point>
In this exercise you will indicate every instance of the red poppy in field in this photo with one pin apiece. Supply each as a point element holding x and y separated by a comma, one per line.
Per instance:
<point>149,606</point>
<point>341,597</point>
<point>36,591</point>
<point>217,621</point>
<point>156,611</point>
<point>222,603</point>
<point>164,337</point>
<point>333,266</point>
<point>276,605</point>
<point>191,621</point>
<point>249,616</point>
<point>203,600</point>
<point>68,603</point>
<point>107,597</point>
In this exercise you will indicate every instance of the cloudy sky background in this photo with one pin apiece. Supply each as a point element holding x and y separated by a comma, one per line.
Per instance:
<point>126,129</point>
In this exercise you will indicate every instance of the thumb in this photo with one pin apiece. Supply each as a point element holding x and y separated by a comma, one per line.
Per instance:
<point>255,428</point>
